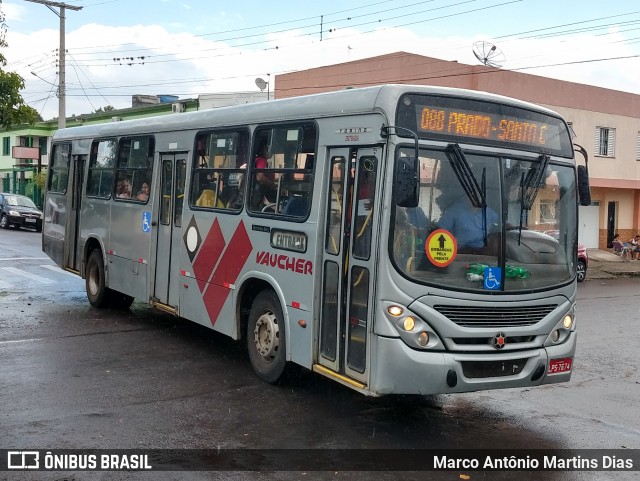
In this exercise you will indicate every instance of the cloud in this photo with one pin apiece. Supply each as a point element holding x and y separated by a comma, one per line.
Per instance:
<point>106,65</point>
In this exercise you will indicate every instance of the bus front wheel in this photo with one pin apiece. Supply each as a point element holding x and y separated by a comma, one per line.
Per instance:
<point>266,337</point>
<point>97,292</point>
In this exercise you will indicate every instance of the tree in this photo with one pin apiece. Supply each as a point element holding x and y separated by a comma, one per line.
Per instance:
<point>107,108</point>
<point>13,110</point>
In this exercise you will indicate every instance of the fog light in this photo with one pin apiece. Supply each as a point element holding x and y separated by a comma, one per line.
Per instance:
<point>409,323</point>
<point>395,311</point>
<point>555,335</point>
<point>423,338</point>
<point>567,322</point>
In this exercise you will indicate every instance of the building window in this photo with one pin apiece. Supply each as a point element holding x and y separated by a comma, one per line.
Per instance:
<point>605,141</point>
<point>6,145</point>
<point>638,147</point>
<point>548,212</point>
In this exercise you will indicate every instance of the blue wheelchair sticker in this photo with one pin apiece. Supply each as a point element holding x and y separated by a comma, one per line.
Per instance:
<point>146,221</point>
<point>492,278</point>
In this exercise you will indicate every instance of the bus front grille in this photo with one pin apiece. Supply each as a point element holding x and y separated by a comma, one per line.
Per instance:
<point>477,316</point>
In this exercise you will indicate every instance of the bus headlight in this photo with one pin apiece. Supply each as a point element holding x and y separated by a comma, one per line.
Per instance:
<point>412,328</point>
<point>562,329</point>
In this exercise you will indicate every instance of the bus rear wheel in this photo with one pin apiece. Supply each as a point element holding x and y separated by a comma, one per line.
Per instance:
<point>97,291</point>
<point>266,337</point>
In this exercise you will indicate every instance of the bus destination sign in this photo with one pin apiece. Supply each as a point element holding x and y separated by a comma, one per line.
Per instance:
<point>484,125</point>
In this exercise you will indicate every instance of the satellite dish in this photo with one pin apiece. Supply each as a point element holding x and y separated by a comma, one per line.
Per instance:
<point>261,84</point>
<point>488,54</point>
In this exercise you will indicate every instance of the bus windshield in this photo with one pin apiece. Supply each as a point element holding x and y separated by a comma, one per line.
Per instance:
<point>487,222</point>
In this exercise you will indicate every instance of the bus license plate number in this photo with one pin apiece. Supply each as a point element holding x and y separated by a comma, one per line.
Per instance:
<point>557,366</point>
<point>30,220</point>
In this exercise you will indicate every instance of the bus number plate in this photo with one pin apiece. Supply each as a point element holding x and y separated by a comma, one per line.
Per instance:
<point>557,366</point>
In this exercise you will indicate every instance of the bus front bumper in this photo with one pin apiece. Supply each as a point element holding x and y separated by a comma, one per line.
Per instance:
<point>401,370</point>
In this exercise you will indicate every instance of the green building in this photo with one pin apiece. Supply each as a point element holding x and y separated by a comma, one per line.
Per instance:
<point>25,148</point>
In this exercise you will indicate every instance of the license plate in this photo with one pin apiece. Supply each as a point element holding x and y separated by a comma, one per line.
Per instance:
<point>29,220</point>
<point>557,366</point>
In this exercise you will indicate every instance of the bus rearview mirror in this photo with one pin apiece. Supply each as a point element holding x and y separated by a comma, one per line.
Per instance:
<point>406,182</point>
<point>584,190</point>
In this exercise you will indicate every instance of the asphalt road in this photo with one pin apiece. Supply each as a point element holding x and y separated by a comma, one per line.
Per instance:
<point>75,377</point>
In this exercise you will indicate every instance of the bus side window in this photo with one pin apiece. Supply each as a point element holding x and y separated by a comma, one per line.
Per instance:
<point>288,186</point>
<point>134,169</point>
<point>101,164</point>
<point>217,181</point>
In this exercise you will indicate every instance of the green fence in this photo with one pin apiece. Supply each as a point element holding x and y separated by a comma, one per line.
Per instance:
<point>23,187</point>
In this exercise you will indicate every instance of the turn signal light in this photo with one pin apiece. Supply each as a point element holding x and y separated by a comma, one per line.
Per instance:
<point>423,338</point>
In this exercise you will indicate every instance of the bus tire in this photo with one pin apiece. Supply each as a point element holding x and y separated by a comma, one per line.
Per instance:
<point>97,292</point>
<point>266,337</point>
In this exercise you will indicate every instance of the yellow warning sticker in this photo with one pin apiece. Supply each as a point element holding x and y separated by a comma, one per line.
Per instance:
<point>441,247</point>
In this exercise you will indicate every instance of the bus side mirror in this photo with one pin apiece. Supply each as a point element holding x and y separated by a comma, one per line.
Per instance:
<point>406,182</point>
<point>584,191</point>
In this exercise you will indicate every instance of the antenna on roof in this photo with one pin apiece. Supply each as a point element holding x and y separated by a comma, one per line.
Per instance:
<point>488,54</point>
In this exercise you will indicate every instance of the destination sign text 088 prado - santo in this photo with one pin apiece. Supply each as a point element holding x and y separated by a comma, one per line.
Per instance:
<point>467,123</point>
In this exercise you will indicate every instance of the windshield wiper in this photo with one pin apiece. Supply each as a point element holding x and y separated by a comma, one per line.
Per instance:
<point>530,185</point>
<point>477,193</point>
<point>465,176</point>
<point>532,182</point>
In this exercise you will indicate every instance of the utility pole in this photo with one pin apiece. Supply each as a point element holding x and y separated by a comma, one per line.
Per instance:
<point>62,114</point>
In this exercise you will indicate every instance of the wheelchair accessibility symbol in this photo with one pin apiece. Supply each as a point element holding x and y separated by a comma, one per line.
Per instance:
<point>146,221</point>
<point>492,278</point>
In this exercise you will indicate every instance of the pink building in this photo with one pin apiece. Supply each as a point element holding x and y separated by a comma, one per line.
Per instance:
<point>606,122</point>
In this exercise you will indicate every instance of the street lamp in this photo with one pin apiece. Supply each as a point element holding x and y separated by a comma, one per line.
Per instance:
<point>45,81</point>
<point>261,84</point>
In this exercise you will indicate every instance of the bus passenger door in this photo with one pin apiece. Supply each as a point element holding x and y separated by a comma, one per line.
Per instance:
<point>73,256</point>
<point>347,280</point>
<point>170,198</point>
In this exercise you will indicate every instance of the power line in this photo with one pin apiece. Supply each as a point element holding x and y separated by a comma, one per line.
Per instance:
<point>223,53</point>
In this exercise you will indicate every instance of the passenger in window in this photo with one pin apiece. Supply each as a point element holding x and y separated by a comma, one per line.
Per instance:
<point>123,189</point>
<point>267,187</point>
<point>143,195</point>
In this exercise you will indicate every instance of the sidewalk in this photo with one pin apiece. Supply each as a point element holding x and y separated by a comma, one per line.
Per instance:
<point>605,265</point>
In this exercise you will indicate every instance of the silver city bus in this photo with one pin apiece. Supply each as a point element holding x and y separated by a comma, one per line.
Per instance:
<point>390,238</point>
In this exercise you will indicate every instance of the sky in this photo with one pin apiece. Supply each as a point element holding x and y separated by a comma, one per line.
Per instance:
<point>119,48</point>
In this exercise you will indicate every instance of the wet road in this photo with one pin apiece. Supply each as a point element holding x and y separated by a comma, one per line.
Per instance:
<point>76,377</point>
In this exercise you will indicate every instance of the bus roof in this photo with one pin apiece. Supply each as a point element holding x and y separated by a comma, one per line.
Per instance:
<point>348,101</point>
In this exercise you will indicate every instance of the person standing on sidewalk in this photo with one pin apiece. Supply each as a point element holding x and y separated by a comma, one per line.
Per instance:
<point>634,243</point>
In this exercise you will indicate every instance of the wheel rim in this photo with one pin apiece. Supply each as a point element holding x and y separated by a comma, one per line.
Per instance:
<point>266,336</point>
<point>94,282</point>
<point>3,221</point>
